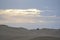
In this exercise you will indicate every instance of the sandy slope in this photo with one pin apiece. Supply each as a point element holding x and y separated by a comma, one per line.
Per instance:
<point>9,33</point>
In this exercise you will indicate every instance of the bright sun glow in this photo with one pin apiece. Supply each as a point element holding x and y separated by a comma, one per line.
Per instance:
<point>20,12</point>
<point>20,15</point>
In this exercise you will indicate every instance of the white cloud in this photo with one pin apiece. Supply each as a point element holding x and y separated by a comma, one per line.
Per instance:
<point>20,12</point>
<point>24,16</point>
<point>19,15</point>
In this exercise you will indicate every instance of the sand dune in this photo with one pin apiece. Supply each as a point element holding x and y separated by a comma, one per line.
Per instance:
<point>10,33</point>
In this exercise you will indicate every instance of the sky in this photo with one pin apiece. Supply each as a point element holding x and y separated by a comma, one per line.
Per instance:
<point>30,13</point>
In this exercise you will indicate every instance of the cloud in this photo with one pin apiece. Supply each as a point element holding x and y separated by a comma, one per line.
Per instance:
<point>19,15</point>
<point>20,12</point>
<point>25,16</point>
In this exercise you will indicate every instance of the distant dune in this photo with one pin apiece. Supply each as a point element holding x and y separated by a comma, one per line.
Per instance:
<point>11,33</point>
<point>46,38</point>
